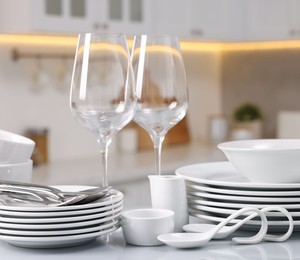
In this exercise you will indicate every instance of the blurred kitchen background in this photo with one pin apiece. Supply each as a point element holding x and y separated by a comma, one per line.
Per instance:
<point>235,52</point>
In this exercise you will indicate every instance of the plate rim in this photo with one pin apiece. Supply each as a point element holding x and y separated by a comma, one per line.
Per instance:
<point>220,166</point>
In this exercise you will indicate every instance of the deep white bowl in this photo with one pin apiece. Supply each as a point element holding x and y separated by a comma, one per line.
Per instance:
<point>15,148</point>
<point>142,226</point>
<point>265,160</point>
<point>21,172</point>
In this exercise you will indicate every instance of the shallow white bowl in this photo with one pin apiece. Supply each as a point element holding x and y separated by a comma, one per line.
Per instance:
<point>265,160</point>
<point>21,172</point>
<point>142,226</point>
<point>15,148</point>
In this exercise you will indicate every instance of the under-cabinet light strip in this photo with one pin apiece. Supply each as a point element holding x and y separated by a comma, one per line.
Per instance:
<point>186,45</point>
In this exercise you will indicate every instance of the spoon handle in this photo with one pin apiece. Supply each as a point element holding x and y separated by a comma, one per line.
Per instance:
<point>262,232</point>
<point>285,236</point>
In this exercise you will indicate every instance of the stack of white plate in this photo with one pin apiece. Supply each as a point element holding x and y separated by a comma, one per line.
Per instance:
<point>51,227</point>
<point>215,190</point>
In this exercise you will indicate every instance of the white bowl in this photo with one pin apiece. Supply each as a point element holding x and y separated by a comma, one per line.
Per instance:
<point>265,160</point>
<point>142,226</point>
<point>15,148</point>
<point>21,172</point>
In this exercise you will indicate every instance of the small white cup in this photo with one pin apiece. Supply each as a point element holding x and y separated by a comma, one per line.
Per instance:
<point>142,226</point>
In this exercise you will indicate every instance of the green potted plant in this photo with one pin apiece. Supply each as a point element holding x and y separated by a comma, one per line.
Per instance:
<point>247,119</point>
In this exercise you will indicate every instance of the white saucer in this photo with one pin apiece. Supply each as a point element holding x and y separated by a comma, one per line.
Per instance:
<point>63,232</point>
<point>60,225</point>
<point>224,175</point>
<point>54,214</point>
<point>55,241</point>
<point>38,220</point>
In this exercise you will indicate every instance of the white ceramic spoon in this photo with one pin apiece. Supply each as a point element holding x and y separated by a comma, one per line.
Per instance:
<point>227,230</point>
<point>190,240</point>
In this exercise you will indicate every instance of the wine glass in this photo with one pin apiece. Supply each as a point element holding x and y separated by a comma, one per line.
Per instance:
<point>161,88</point>
<point>102,89</point>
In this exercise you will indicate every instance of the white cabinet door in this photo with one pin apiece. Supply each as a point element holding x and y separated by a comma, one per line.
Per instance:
<point>44,16</point>
<point>268,19</point>
<point>62,16</point>
<point>126,16</point>
<point>75,16</point>
<point>215,19</point>
<point>169,17</point>
<point>294,30</point>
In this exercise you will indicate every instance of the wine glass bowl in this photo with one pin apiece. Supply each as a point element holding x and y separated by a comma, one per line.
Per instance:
<point>102,95</point>
<point>161,89</point>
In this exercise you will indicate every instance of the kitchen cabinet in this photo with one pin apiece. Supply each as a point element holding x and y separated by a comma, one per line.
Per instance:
<point>269,19</point>
<point>294,28</point>
<point>170,17</point>
<point>198,19</point>
<point>214,19</point>
<point>74,16</point>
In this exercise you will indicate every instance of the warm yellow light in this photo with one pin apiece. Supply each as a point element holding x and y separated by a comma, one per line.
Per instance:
<point>39,40</point>
<point>266,45</point>
<point>186,45</point>
<point>195,46</point>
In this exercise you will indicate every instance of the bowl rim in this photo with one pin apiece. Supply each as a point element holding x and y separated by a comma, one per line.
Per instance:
<point>162,214</point>
<point>269,145</point>
<point>17,164</point>
<point>10,137</point>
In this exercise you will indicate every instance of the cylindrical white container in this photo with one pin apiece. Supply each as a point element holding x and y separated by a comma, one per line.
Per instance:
<point>169,192</point>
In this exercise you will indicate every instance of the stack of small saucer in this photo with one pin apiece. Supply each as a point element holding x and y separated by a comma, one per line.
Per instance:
<point>34,226</point>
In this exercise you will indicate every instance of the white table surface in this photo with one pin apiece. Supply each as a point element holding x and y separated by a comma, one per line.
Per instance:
<point>116,248</point>
<point>124,167</point>
<point>132,167</point>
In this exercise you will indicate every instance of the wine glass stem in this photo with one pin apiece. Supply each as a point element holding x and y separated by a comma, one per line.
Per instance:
<point>104,151</point>
<point>157,151</point>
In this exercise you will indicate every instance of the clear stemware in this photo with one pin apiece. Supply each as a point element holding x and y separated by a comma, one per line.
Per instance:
<point>102,89</point>
<point>161,88</point>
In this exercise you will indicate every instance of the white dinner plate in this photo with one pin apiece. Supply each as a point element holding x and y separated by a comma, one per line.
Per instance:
<point>227,212</point>
<point>60,219</point>
<point>61,225</point>
<point>238,205</point>
<point>55,241</point>
<point>282,223</point>
<point>236,198</point>
<point>225,175</point>
<point>117,196</point>
<point>69,213</point>
<point>63,232</point>
<point>263,193</point>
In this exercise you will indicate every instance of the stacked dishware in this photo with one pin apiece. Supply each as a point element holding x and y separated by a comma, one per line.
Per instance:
<point>15,154</point>
<point>216,189</point>
<point>29,224</point>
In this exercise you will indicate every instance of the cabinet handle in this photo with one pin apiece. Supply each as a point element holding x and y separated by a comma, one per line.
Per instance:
<point>293,32</point>
<point>197,32</point>
<point>100,26</point>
